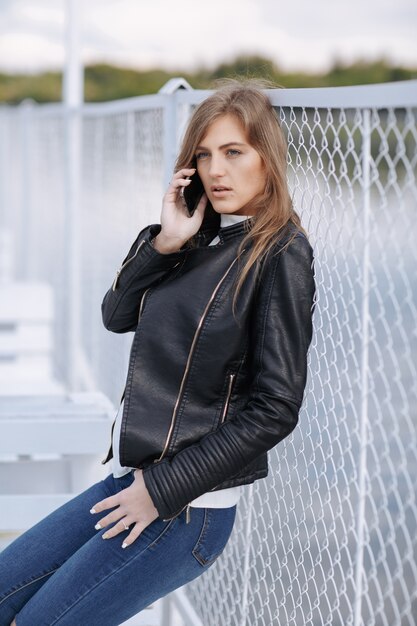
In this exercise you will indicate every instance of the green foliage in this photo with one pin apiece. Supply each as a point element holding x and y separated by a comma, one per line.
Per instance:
<point>247,66</point>
<point>45,87</point>
<point>364,73</point>
<point>106,82</point>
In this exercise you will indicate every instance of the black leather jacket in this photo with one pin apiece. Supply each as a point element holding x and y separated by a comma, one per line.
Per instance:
<point>208,394</point>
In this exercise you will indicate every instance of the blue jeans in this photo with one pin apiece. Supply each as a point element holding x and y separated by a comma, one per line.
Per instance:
<point>61,571</point>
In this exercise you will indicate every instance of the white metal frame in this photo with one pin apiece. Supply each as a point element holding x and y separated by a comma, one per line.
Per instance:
<point>175,105</point>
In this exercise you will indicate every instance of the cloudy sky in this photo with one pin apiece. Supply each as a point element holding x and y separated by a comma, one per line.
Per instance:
<point>184,34</point>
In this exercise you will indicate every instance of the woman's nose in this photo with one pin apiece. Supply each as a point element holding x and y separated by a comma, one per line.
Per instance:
<point>216,167</point>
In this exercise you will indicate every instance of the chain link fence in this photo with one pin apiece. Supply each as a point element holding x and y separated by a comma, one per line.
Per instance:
<point>330,536</point>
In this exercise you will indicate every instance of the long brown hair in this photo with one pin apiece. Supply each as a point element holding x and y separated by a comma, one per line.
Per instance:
<point>273,209</point>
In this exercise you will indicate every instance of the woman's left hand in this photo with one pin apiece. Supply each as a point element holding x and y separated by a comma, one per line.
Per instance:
<point>135,506</point>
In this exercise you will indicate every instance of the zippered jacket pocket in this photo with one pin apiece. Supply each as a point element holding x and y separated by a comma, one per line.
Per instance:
<point>231,377</point>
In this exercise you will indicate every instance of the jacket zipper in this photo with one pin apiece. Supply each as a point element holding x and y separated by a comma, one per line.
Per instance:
<point>229,393</point>
<point>139,316</point>
<point>187,514</point>
<point>124,390</point>
<point>121,268</point>
<point>187,367</point>
<point>142,303</point>
<point>226,406</point>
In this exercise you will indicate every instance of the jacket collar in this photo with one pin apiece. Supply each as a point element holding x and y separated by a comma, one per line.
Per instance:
<point>210,229</point>
<point>235,230</point>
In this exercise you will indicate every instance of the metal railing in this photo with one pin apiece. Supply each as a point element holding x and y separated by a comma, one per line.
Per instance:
<point>330,536</point>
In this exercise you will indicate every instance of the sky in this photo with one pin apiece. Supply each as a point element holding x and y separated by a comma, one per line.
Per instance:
<point>308,35</point>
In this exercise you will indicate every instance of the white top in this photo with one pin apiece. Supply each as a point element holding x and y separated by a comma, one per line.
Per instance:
<point>212,499</point>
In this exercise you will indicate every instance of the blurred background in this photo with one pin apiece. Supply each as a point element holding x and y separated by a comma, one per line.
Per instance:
<point>94,98</point>
<point>131,48</point>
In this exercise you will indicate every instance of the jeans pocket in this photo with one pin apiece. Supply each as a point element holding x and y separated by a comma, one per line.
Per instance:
<point>215,532</point>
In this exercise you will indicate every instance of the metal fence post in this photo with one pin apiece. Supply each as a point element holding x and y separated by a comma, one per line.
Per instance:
<point>173,124</point>
<point>4,148</point>
<point>73,96</point>
<point>28,265</point>
<point>363,430</point>
<point>246,566</point>
<point>72,243</point>
<point>166,611</point>
<point>7,228</point>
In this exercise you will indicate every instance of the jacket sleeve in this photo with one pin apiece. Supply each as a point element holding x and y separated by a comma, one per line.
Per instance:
<point>279,345</point>
<point>142,267</point>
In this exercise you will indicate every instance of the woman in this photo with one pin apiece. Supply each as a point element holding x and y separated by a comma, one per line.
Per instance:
<point>220,298</point>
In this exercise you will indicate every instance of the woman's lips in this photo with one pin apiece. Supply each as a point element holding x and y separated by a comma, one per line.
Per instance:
<point>220,191</point>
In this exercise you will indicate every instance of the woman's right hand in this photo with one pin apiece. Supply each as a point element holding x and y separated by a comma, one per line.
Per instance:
<point>177,226</point>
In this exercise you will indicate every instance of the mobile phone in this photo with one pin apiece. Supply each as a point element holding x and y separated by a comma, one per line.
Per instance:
<point>192,193</point>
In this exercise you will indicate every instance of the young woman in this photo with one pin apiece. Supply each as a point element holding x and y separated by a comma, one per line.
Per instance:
<point>220,299</point>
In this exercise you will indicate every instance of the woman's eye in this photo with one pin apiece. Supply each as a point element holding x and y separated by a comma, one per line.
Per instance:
<point>201,155</point>
<point>232,152</point>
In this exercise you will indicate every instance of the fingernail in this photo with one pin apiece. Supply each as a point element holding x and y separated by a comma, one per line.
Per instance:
<point>97,526</point>
<point>105,536</point>
<point>93,511</point>
<point>124,545</point>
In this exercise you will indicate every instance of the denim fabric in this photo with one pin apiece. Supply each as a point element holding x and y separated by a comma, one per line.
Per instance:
<point>62,572</point>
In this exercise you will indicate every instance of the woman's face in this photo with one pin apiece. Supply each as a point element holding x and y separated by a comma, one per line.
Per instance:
<point>231,171</point>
